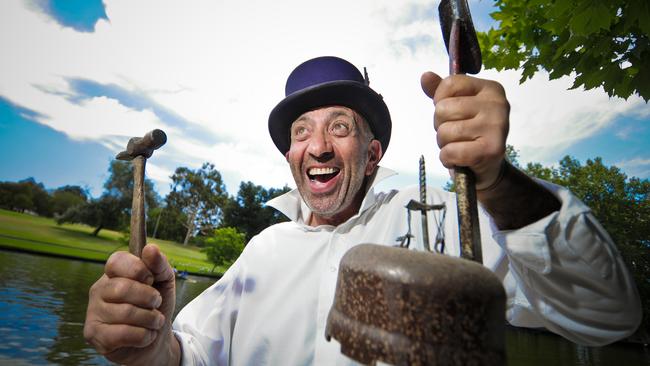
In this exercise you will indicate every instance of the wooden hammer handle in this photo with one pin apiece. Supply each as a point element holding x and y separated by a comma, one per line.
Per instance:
<point>138,224</point>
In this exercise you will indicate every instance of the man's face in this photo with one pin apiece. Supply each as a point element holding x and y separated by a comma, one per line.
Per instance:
<point>331,153</point>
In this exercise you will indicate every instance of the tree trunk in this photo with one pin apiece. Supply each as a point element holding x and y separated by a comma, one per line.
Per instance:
<point>155,229</point>
<point>190,227</point>
<point>96,231</point>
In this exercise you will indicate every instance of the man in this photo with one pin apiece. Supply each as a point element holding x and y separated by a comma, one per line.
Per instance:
<point>559,267</point>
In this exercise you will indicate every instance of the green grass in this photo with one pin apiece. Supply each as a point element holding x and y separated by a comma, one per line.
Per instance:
<point>25,232</point>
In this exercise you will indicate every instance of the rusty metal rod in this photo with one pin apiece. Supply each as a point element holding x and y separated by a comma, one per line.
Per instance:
<point>464,179</point>
<point>423,201</point>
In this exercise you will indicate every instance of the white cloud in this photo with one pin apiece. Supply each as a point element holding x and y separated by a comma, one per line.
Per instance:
<point>222,66</point>
<point>635,167</point>
<point>546,118</point>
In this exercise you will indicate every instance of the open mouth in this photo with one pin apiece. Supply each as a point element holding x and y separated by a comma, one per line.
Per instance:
<point>322,175</point>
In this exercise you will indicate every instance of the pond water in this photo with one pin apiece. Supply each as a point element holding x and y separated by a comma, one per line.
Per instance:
<point>43,304</point>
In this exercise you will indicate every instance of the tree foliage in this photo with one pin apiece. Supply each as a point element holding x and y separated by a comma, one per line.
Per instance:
<point>224,246</point>
<point>248,213</point>
<point>112,209</point>
<point>67,197</point>
<point>197,197</point>
<point>120,186</point>
<point>104,212</point>
<point>604,43</point>
<point>167,222</point>
<point>25,196</point>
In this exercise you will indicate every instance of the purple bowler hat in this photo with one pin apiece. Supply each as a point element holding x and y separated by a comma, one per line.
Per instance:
<point>326,81</point>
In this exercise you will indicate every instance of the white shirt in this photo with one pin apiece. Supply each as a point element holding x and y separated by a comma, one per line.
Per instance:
<point>270,308</point>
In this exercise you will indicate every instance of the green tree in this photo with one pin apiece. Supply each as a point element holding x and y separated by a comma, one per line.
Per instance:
<point>120,185</point>
<point>104,212</point>
<point>26,195</point>
<point>224,246</point>
<point>13,196</point>
<point>604,43</point>
<point>197,196</point>
<point>112,209</point>
<point>166,223</point>
<point>248,213</point>
<point>66,197</point>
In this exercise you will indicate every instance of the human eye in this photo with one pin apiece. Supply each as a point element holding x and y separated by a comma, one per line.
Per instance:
<point>340,128</point>
<point>299,132</point>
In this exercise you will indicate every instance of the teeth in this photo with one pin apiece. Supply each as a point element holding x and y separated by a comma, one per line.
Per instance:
<point>321,171</point>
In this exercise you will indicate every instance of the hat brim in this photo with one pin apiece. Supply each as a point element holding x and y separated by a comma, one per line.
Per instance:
<point>351,94</point>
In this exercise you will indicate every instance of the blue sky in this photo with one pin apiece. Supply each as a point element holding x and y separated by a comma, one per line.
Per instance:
<point>79,78</point>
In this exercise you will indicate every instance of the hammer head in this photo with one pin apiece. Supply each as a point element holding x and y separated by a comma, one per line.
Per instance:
<point>143,146</point>
<point>451,11</point>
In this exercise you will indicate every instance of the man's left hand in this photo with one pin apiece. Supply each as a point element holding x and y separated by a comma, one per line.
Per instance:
<point>471,121</point>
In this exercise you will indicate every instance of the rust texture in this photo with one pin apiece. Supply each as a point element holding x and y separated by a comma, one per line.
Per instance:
<point>423,201</point>
<point>468,225</point>
<point>464,57</point>
<point>405,307</point>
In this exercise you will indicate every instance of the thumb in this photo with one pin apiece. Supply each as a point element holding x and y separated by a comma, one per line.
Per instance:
<point>429,82</point>
<point>164,279</point>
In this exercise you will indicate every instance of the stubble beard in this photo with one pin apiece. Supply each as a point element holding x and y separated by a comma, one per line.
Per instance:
<point>332,203</point>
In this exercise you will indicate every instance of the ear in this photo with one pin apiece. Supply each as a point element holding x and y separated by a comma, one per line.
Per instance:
<point>375,154</point>
<point>286,156</point>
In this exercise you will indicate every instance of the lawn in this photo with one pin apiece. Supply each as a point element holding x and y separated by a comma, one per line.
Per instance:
<point>42,235</point>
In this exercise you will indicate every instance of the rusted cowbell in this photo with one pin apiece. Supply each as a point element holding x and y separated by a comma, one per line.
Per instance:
<point>404,307</point>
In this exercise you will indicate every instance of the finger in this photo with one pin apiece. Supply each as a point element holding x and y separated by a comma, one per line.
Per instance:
<point>164,277</point>
<point>157,263</point>
<point>124,290</point>
<point>462,153</point>
<point>127,265</point>
<point>457,131</point>
<point>132,315</point>
<point>108,338</point>
<point>458,85</point>
<point>454,109</point>
<point>429,82</point>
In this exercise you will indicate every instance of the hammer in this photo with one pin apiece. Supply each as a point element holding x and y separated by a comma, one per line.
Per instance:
<point>138,150</point>
<point>464,57</point>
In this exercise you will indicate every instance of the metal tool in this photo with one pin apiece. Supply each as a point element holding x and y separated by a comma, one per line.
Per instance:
<point>464,57</point>
<point>138,150</point>
<point>423,200</point>
<point>408,307</point>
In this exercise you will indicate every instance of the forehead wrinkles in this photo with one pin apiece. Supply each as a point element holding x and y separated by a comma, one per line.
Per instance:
<point>359,122</point>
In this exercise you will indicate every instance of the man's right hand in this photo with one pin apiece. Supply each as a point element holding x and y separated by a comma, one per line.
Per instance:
<point>130,309</point>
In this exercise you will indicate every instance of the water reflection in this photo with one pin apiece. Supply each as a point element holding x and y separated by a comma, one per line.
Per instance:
<point>42,309</point>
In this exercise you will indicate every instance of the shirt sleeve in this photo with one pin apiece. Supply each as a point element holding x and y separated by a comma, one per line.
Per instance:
<point>565,274</point>
<point>204,327</point>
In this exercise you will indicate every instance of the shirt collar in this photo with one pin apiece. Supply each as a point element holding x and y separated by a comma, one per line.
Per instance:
<point>294,207</point>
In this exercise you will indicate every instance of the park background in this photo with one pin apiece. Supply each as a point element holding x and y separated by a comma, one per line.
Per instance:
<point>79,78</point>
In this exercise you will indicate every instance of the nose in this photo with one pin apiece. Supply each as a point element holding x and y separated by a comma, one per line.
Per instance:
<point>320,147</point>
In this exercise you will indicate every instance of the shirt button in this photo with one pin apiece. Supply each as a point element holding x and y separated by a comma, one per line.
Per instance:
<point>332,269</point>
